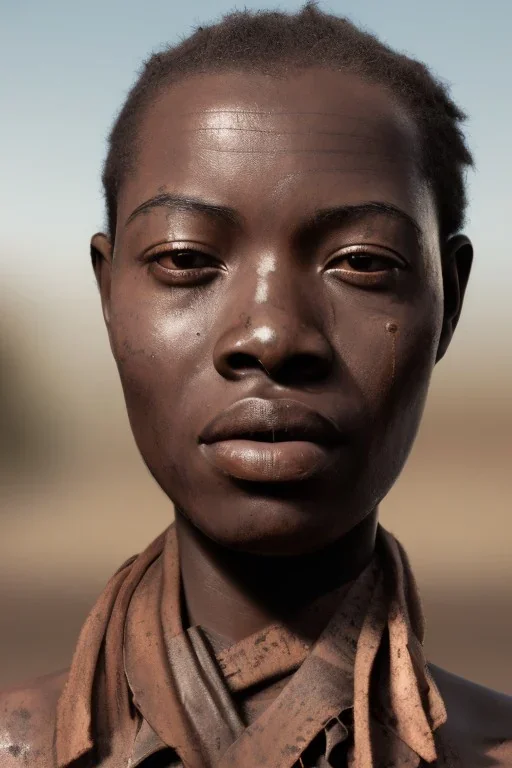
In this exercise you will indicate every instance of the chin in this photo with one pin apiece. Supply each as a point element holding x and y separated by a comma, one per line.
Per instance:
<point>274,521</point>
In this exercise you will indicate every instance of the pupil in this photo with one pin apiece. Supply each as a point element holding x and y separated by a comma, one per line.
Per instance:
<point>188,259</point>
<point>360,262</point>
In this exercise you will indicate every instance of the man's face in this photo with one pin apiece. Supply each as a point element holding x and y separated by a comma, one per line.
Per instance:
<point>275,302</point>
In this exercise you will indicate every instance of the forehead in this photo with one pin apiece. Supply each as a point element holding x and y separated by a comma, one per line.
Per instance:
<point>277,144</point>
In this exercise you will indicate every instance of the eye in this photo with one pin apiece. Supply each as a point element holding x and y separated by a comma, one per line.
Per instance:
<point>365,262</point>
<point>184,259</point>
<point>360,265</point>
<point>182,265</point>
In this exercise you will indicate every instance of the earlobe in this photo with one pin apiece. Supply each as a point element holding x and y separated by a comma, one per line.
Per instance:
<point>457,258</point>
<point>101,257</point>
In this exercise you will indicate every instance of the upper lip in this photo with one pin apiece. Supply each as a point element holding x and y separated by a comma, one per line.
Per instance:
<point>277,420</point>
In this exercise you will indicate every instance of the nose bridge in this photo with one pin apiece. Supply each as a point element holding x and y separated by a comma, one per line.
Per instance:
<point>275,305</point>
<point>269,279</point>
<point>275,322</point>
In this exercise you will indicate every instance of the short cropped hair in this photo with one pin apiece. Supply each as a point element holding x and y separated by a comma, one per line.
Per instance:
<point>274,42</point>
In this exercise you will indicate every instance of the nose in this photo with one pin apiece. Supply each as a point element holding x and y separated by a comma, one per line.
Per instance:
<point>278,339</point>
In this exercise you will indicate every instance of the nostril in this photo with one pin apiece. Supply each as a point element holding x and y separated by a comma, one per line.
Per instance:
<point>240,361</point>
<point>309,364</point>
<point>299,368</point>
<point>304,368</point>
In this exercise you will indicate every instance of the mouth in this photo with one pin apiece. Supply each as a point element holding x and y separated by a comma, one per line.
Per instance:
<point>266,441</point>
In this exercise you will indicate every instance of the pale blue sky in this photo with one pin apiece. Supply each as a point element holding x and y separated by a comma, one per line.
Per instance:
<point>67,65</point>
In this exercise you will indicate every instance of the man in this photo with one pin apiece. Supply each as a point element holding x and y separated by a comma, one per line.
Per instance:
<point>282,269</point>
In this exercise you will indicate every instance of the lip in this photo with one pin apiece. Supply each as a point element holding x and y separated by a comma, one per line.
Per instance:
<point>262,440</point>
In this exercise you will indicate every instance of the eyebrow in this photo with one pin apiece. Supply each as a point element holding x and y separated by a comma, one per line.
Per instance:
<point>344,214</point>
<point>188,204</point>
<point>323,218</point>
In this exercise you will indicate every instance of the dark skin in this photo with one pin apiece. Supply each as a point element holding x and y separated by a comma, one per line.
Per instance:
<point>276,243</point>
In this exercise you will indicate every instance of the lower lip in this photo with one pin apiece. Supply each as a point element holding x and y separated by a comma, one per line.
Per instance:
<point>287,461</point>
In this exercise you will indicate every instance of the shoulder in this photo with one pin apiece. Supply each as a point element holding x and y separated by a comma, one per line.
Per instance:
<point>479,725</point>
<point>27,719</point>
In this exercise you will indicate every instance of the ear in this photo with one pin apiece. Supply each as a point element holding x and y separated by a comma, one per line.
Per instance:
<point>457,258</point>
<point>101,257</point>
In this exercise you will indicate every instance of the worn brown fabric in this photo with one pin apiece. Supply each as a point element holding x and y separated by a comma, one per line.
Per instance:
<point>136,672</point>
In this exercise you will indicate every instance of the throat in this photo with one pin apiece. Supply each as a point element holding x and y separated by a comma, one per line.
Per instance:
<point>234,595</point>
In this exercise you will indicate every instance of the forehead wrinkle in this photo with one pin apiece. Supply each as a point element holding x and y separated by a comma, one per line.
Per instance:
<point>212,123</point>
<point>355,132</point>
<point>291,151</point>
<point>354,136</point>
<point>356,118</point>
<point>345,134</point>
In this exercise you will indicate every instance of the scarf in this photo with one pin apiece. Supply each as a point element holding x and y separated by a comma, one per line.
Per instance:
<point>135,663</point>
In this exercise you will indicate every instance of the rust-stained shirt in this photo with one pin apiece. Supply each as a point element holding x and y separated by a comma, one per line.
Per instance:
<point>144,691</point>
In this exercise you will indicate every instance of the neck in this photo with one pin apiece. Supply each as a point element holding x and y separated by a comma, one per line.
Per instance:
<point>235,594</point>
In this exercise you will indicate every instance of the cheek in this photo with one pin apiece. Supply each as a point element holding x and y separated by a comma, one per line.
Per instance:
<point>158,351</point>
<point>149,324</point>
<point>392,365</point>
<point>394,353</point>
<point>387,352</point>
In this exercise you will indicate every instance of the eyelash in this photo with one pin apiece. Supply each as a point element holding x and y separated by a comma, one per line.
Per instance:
<point>392,263</point>
<point>207,272</point>
<point>184,275</point>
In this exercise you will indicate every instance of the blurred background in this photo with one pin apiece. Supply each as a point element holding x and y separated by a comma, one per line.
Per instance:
<point>75,498</point>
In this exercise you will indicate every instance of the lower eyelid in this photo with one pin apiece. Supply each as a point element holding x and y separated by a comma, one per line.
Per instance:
<point>362,279</point>
<point>181,270</point>
<point>353,270</point>
<point>182,276</point>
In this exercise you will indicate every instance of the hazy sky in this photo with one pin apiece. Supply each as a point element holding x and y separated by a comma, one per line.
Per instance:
<point>66,66</point>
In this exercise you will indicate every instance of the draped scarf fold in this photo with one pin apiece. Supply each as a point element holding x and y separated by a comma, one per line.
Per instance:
<point>135,663</point>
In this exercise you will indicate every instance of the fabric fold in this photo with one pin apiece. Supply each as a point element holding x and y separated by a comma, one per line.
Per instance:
<point>135,665</point>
